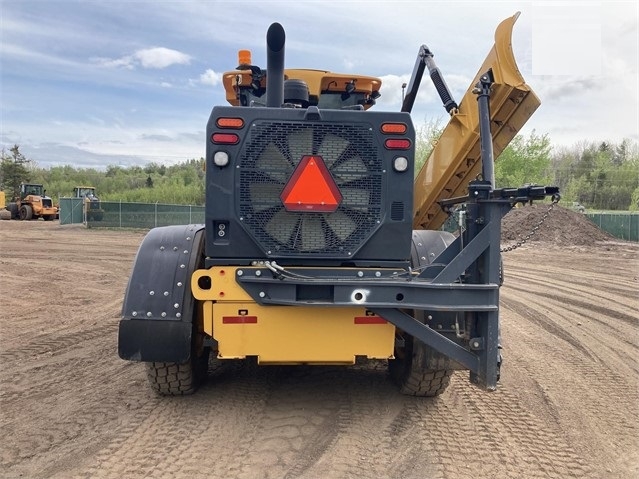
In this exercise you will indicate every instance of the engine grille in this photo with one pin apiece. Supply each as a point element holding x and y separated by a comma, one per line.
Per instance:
<point>268,159</point>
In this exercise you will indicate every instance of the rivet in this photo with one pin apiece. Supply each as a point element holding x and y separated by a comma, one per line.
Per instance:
<point>378,274</point>
<point>182,266</point>
<point>360,274</point>
<point>178,315</point>
<point>186,251</point>
<point>163,314</point>
<point>166,293</point>
<point>179,283</point>
<point>188,238</point>
<point>151,293</point>
<point>429,317</point>
<point>262,294</point>
<point>149,314</point>
<point>134,313</point>
<point>176,305</point>
<point>240,272</point>
<point>258,273</point>
<point>161,248</point>
<point>175,248</point>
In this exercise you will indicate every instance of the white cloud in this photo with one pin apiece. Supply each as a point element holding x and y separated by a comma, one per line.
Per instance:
<point>160,57</point>
<point>210,77</point>
<point>156,57</point>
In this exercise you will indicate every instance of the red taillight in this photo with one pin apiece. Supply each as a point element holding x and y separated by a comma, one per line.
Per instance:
<point>394,128</point>
<point>397,144</point>
<point>225,122</point>
<point>225,138</point>
<point>311,188</point>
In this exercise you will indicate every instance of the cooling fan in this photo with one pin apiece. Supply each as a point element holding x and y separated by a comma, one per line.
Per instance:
<point>272,158</point>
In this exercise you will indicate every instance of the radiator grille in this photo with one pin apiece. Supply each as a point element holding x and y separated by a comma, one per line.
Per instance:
<point>268,159</point>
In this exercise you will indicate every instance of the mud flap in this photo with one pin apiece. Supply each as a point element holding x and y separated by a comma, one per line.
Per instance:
<point>158,308</point>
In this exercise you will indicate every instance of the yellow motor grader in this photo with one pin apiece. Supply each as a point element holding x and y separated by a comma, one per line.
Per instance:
<point>320,247</point>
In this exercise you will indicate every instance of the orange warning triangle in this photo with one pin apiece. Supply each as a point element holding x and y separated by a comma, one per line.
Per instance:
<point>311,188</point>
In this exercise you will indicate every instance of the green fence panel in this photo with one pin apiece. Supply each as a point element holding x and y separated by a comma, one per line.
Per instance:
<point>145,215</point>
<point>71,211</point>
<point>622,225</point>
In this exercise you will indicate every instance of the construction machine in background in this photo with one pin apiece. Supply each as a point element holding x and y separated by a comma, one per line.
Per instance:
<point>32,203</point>
<point>319,246</point>
<point>92,206</point>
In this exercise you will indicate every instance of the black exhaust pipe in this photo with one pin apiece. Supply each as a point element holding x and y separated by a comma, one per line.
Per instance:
<point>275,39</point>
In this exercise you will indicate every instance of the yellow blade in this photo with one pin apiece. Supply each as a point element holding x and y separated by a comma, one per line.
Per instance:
<point>455,159</point>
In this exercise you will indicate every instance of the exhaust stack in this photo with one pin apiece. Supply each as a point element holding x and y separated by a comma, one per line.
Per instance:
<point>275,39</point>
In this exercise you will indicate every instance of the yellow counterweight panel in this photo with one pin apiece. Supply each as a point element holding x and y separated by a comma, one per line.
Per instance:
<point>285,334</point>
<point>455,159</point>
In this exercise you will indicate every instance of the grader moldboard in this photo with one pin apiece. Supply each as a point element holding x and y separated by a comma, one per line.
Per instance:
<point>320,247</point>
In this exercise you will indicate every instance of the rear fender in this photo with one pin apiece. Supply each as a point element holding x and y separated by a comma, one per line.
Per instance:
<point>158,308</point>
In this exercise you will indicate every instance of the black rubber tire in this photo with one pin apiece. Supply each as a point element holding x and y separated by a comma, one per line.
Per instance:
<point>180,379</point>
<point>175,379</point>
<point>13,208</point>
<point>412,378</point>
<point>413,369</point>
<point>26,212</point>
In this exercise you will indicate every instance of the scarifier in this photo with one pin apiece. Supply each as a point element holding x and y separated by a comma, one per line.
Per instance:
<point>320,247</point>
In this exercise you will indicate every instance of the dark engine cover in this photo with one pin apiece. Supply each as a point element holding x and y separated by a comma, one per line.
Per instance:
<point>247,220</point>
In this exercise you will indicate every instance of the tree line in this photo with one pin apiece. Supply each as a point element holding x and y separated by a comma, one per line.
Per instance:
<point>598,175</point>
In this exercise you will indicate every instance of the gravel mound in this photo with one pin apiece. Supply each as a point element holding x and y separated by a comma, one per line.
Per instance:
<point>563,226</point>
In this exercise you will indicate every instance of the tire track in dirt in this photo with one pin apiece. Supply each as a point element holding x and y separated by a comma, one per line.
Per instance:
<point>577,363</point>
<point>176,434</point>
<point>376,434</point>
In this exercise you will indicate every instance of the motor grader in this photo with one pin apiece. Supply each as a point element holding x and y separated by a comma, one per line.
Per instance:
<point>32,204</point>
<point>319,246</point>
<point>92,206</point>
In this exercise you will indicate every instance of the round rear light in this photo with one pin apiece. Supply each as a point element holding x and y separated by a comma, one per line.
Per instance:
<point>221,158</point>
<point>400,164</point>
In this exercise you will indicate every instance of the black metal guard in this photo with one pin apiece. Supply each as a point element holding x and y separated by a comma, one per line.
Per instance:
<point>464,278</point>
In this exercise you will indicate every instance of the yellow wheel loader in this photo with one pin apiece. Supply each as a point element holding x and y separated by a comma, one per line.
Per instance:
<point>32,204</point>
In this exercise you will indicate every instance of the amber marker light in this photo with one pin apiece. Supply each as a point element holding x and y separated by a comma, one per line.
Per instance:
<point>229,122</point>
<point>394,128</point>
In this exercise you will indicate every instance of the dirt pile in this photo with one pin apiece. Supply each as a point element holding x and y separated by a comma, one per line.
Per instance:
<point>563,227</point>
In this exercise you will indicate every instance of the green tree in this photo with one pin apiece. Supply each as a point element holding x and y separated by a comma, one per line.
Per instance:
<point>13,171</point>
<point>526,160</point>
<point>426,137</point>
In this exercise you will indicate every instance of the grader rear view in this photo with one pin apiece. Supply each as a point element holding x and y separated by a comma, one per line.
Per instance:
<point>319,246</point>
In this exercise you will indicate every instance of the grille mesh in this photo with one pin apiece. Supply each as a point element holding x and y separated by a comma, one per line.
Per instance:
<point>269,157</point>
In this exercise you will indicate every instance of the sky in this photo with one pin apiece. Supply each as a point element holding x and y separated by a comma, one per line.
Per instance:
<point>93,83</point>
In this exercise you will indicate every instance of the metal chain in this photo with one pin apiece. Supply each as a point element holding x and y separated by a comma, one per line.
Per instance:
<point>555,200</point>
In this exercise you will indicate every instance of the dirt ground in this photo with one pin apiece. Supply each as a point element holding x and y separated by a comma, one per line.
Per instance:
<point>566,407</point>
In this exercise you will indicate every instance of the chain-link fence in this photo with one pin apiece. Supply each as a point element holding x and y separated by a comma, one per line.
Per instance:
<point>622,225</point>
<point>117,214</point>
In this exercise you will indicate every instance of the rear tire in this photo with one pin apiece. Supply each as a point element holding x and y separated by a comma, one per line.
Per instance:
<point>417,369</point>
<point>178,379</point>
<point>412,377</point>
<point>13,208</point>
<point>26,212</point>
